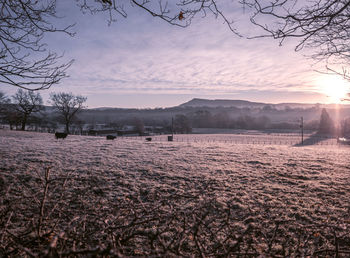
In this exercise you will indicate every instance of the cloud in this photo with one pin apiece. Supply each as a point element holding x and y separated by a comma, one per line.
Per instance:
<point>142,54</point>
<point>200,66</point>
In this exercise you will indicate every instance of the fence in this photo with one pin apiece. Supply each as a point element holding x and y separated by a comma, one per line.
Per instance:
<point>262,139</point>
<point>255,139</point>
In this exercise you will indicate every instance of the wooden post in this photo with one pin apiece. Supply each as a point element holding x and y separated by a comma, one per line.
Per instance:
<point>302,130</point>
<point>171,138</point>
<point>172,126</point>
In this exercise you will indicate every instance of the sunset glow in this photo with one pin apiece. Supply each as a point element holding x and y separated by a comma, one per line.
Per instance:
<point>334,87</point>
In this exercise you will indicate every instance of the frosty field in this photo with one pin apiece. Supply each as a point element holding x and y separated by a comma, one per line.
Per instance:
<point>129,197</point>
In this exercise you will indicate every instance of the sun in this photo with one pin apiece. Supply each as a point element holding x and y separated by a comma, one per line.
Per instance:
<point>334,87</point>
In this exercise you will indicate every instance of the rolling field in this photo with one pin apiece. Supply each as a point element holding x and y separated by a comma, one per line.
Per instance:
<point>236,197</point>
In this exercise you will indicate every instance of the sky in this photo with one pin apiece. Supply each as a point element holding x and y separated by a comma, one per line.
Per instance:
<point>143,62</point>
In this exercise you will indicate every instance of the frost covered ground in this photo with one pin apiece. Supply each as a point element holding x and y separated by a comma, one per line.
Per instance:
<point>128,197</point>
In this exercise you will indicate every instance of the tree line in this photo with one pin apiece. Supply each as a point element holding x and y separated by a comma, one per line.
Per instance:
<point>26,107</point>
<point>329,127</point>
<point>205,119</point>
<point>184,120</point>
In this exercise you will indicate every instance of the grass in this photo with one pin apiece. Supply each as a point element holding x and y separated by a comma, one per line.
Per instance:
<point>86,196</point>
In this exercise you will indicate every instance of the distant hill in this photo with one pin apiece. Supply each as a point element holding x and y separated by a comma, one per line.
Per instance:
<point>196,102</point>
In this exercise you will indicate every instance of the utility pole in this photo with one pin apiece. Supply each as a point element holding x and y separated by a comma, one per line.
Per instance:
<point>172,127</point>
<point>302,130</point>
<point>171,138</point>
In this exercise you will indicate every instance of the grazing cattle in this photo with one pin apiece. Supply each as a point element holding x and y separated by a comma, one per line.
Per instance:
<point>148,139</point>
<point>110,137</point>
<point>60,135</point>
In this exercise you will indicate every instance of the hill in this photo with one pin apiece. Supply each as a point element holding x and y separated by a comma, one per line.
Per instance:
<point>196,102</point>
<point>226,103</point>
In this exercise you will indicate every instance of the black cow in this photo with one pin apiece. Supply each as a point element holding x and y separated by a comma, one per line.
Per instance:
<point>60,135</point>
<point>110,137</point>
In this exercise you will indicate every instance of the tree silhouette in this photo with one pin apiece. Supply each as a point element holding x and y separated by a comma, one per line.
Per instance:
<point>27,102</point>
<point>3,98</point>
<point>326,125</point>
<point>139,125</point>
<point>4,101</point>
<point>4,106</point>
<point>182,124</point>
<point>67,106</point>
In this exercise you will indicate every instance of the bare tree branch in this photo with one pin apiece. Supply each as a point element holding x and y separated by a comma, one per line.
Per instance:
<point>68,106</point>
<point>27,102</point>
<point>321,26</point>
<point>24,60</point>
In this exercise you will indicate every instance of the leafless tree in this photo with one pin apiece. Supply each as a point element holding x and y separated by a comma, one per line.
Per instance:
<point>27,102</point>
<point>25,61</point>
<point>4,100</point>
<point>68,106</point>
<point>178,12</point>
<point>322,26</point>
<point>182,124</point>
<point>79,125</point>
<point>4,105</point>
